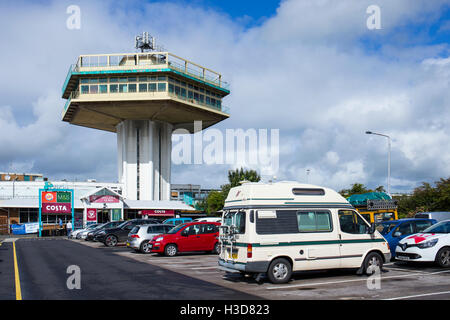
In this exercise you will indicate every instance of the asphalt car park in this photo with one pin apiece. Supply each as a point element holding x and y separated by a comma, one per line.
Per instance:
<point>398,281</point>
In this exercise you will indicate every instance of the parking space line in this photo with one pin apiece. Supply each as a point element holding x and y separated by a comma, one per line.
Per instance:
<point>407,270</point>
<point>419,295</point>
<point>353,280</point>
<point>204,268</point>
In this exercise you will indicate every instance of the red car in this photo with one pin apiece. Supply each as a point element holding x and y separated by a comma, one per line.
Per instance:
<point>187,237</point>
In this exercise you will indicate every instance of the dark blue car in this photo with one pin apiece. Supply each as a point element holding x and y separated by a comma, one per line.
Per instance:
<point>395,230</point>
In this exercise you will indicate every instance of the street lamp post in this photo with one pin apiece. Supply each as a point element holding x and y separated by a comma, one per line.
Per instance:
<point>389,158</point>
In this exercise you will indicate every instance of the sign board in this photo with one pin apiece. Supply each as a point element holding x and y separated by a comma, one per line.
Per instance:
<point>103,199</point>
<point>91,215</point>
<point>158,212</point>
<point>55,201</point>
<point>379,204</point>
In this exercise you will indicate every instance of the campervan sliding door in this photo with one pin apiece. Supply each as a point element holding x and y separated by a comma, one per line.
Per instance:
<point>318,246</point>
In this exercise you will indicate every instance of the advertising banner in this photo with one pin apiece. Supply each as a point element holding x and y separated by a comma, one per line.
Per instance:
<point>91,215</point>
<point>103,199</point>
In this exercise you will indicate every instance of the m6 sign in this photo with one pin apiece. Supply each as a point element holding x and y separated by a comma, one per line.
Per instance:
<point>55,201</point>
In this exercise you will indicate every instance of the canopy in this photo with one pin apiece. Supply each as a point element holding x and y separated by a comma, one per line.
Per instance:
<point>361,199</point>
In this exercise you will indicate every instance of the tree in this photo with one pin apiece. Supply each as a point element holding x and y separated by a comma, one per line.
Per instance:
<point>426,198</point>
<point>216,199</point>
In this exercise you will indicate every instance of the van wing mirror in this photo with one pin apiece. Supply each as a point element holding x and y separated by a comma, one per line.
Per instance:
<point>372,228</point>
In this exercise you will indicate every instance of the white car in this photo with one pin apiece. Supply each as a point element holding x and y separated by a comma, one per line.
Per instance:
<point>73,234</point>
<point>433,244</point>
<point>208,219</point>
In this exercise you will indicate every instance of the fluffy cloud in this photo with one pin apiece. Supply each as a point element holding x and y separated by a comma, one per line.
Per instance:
<point>313,70</point>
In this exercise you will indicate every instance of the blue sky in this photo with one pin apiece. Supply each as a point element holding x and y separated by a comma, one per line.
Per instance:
<point>327,76</point>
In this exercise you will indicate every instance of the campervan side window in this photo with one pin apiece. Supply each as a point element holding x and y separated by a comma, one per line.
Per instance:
<point>284,222</point>
<point>314,221</point>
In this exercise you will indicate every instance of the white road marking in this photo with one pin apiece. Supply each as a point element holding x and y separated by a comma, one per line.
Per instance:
<point>407,270</point>
<point>353,280</point>
<point>419,295</point>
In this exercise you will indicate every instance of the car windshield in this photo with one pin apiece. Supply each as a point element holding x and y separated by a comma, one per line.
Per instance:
<point>177,228</point>
<point>385,228</point>
<point>441,227</point>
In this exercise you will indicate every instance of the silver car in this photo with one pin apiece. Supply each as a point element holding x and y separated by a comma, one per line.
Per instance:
<point>140,235</point>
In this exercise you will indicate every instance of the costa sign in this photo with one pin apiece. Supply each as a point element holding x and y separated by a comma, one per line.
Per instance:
<point>158,212</point>
<point>56,208</point>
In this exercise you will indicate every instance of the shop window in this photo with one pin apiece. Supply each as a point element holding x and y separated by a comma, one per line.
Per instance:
<point>103,88</point>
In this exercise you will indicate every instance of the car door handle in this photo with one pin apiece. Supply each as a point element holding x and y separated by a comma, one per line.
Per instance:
<point>198,236</point>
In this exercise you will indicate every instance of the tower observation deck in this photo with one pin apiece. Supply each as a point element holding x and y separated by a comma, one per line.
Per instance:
<point>143,97</point>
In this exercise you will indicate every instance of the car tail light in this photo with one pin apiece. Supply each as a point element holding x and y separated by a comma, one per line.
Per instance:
<point>249,250</point>
<point>135,236</point>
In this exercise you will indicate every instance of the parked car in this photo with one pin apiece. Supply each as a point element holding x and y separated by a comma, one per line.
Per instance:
<point>91,234</point>
<point>177,221</point>
<point>140,235</point>
<point>112,236</point>
<point>83,234</point>
<point>209,219</point>
<point>187,237</point>
<point>396,230</point>
<point>439,216</point>
<point>432,245</point>
<point>73,234</point>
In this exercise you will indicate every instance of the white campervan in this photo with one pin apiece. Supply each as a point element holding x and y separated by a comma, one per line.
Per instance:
<point>278,228</point>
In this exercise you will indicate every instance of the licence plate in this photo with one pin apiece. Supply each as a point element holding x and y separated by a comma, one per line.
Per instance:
<point>402,257</point>
<point>232,255</point>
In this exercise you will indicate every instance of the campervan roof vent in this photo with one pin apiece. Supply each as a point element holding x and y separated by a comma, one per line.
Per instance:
<point>308,192</point>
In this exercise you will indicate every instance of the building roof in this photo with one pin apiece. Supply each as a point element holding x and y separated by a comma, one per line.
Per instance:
<point>164,204</point>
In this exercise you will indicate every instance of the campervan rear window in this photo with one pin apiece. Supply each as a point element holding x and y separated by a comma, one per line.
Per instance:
<point>236,218</point>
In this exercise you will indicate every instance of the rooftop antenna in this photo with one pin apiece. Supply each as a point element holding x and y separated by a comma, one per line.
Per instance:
<point>145,42</point>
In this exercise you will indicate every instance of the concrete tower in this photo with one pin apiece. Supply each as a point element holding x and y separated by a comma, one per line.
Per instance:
<point>143,97</point>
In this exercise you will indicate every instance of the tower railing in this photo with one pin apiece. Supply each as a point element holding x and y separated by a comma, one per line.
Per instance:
<point>142,61</point>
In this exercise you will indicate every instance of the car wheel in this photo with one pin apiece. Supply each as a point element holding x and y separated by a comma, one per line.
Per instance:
<point>145,247</point>
<point>111,241</point>
<point>443,257</point>
<point>171,250</point>
<point>372,263</point>
<point>280,271</point>
<point>216,249</point>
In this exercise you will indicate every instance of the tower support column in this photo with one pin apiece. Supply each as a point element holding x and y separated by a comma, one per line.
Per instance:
<point>144,159</point>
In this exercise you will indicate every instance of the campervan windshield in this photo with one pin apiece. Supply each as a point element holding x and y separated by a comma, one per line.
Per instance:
<point>235,219</point>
